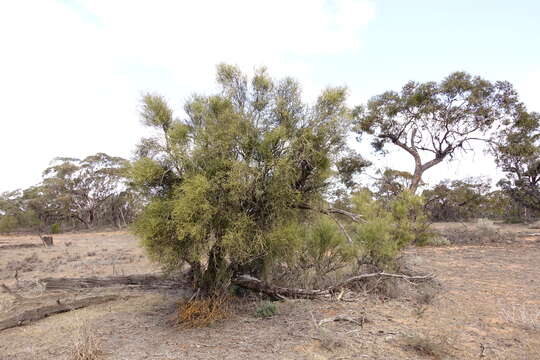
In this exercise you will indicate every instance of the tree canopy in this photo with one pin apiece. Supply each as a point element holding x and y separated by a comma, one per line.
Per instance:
<point>232,181</point>
<point>438,119</point>
<point>517,153</point>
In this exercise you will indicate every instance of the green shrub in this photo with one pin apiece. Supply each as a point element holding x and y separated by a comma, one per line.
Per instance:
<point>8,223</point>
<point>56,228</point>
<point>266,310</point>
<point>388,226</point>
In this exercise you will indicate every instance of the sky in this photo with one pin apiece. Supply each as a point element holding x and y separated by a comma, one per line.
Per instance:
<point>72,72</point>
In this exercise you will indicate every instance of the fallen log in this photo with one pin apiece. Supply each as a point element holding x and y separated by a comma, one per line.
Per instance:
<point>147,281</point>
<point>277,292</point>
<point>19,246</point>
<point>29,316</point>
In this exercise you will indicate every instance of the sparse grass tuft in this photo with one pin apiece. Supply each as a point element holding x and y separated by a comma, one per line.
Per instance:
<point>436,348</point>
<point>201,312</point>
<point>86,345</point>
<point>266,310</point>
<point>522,316</point>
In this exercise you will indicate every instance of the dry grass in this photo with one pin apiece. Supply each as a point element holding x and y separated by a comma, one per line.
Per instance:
<point>86,345</point>
<point>481,232</point>
<point>522,316</point>
<point>202,312</point>
<point>436,347</point>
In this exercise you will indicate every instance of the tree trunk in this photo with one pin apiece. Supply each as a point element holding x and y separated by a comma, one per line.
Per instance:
<point>417,175</point>
<point>217,274</point>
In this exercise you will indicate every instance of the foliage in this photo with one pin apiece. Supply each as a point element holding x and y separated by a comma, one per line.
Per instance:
<point>231,185</point>
<point>56,228</point>
<point>391,183</point>
<point>517,153</point>
<point>388,227</point>
<point>266,310</point>
<point>438,118</point>
<point>74,192</point>
<point>457,200</point>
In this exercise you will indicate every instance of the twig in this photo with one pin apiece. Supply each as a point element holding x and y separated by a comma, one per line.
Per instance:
<point>340,318</point>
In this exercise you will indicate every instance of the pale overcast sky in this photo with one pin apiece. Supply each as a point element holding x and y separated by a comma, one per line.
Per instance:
<point>72,72</point>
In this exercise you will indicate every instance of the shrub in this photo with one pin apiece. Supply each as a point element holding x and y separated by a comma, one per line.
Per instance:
<point>240,176</point>
<point>8,223</point>
<point>86,345</point>
<point>266,310</point>
<point>56,228</point>
<point>388,227</point>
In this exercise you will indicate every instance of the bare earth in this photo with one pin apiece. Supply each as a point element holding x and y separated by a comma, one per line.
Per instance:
<point>488,308</point>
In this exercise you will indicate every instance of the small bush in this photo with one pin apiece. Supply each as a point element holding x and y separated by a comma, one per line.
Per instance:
<point>8,223</point>
<point>86,346</point>
<point>201,312</point>
<point>388,226</point>
<point>56,229</point>
<point>438,240</point>
<point>266,310</point>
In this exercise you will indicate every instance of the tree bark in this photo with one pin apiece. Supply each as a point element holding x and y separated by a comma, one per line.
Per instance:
<point>277,292</point>
<point>45,311</point>
<point>143,281</point>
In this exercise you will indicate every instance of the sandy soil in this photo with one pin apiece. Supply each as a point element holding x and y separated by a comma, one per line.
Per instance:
<point>488,307</point>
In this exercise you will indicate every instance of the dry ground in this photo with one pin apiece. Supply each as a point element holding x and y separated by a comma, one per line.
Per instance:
<point>488,308</point>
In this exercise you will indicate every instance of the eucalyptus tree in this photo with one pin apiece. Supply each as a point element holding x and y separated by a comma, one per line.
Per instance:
<point>438,119</point>
<point>517,153</point>
<point>230,185</point>
<point>79,188</point>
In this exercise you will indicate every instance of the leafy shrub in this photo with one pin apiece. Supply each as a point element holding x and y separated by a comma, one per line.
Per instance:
<point>326,247</point>
<point>8,223</point>
<point>388,227</point>
<point>56,228</point>
<point>266,310</point>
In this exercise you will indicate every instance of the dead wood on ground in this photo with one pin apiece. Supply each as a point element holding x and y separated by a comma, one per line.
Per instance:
<point>277,292</point>
<point>146,281</point>
<point>32,315</point>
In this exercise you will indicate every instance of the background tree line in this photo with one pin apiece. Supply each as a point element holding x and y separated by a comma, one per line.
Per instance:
<point>74,194</point>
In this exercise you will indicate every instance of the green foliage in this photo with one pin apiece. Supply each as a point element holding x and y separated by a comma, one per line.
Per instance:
<point>229,187</point>
<point>458,200</point>
<point>266,310</point>
<point>439,118</point>
<point>517,153</point>
<point>8,223</point>
<point>388,227</point>
<point>56,228</point>
<point>326,247</point>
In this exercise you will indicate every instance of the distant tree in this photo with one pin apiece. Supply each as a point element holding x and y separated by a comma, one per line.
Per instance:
<point>231,185</point>
<point>438,118</point>
<point>14,214</point>
<point>457,200</point>
<point>79,189</point>
<point>517,153</point>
